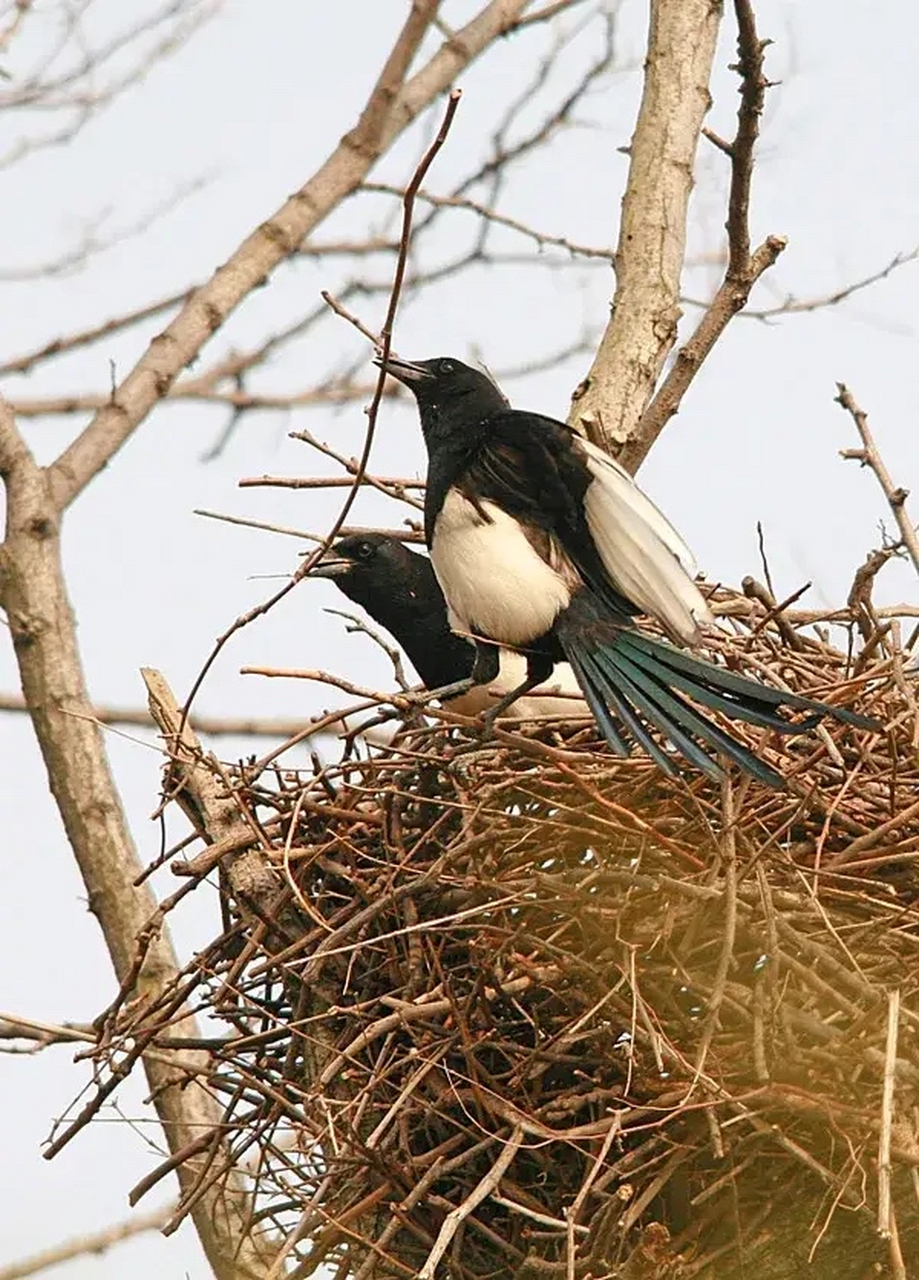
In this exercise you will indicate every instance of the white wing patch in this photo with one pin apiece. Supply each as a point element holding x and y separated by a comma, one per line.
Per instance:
<point>496,584</point>
<point>644,555</point>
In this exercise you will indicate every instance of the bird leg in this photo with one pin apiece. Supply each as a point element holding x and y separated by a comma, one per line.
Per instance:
<point>485,669</point>
<point>539,668</point>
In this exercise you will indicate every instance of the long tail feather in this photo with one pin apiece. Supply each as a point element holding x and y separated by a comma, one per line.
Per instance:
<point>750,690</point>
<point>636,684</point>
<point>592,677</point>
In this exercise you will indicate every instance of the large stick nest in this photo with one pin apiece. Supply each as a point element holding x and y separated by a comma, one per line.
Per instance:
<point>546,1012</point>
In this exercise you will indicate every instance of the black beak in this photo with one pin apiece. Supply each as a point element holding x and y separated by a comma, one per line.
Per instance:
<point>403,370</point>
<point>331,565</point>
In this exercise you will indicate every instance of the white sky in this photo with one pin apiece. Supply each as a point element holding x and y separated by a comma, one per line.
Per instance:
<point>255,102</point>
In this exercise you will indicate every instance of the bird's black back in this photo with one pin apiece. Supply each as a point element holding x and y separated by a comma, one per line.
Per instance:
<point>530,467</point>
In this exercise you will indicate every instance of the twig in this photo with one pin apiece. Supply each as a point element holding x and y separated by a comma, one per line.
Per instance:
<point>425,11</point>
<point>775,611</point>
<point>897,1264</point>
<point>341,310</point>
<point>325,482</point>
<point>761,543</point>
<point>869,456</point>
<point>859,598</point>
<point>405,535</point>
<point>890,1070</point>
<point>726,959</point>
<point>542,238</point>
<point>15,1027</point>
<point>799,306</point>
<point>481,1192</point>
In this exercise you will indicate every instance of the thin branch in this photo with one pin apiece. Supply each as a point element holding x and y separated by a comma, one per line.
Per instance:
<point>890,1076</point>
<point>94,241</point>
<point>542,238</point>
<point>482,1191</point>
<point>86,337</point>
<point>386,335</point>
<point>212,726</point>
<point>608,404</point>
<point>743,269</point>
<point>726,959</point>
<point>869,456</point>
<point>42,1034</point>
<point>406,535</point>
<point>802,306</point>
<point>96,1243</point>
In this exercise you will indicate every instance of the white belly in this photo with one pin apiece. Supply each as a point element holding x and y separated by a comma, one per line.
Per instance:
<point>495,583</point>
<point>547,699</point>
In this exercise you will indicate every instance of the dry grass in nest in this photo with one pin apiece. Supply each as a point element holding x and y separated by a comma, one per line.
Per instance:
<point>532,1010</point>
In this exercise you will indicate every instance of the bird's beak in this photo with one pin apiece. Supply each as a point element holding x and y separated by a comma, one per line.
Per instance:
<point>331,565</point>
<point>402,370</point>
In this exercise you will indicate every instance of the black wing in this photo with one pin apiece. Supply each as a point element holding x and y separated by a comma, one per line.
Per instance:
<point>530,467</point>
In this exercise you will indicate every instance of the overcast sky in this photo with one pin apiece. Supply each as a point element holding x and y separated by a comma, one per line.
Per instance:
<point>253,104</point>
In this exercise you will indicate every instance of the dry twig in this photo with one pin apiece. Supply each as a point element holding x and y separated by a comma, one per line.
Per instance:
<point>869,456</point>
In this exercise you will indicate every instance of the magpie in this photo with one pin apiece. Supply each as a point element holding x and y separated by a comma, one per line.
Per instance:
<point>542,542</point>
<point>399,590</point>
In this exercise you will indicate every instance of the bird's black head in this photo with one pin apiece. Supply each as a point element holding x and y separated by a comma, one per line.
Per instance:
<point>397,587</point>
<point>445,385</point>
<point>375,571</point>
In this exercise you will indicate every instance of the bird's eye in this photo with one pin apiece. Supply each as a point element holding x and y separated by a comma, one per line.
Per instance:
<point>447,366</point>
<point>364,550</point>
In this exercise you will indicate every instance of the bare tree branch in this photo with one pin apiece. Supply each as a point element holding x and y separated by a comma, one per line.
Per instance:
<point>95,240</point>
<point>33,594</point>
<point>744,268</point>
<point>96,1243</point>
<point>792,306</point>
<point>86,337</point>
<point>482,211</point>
<point>80,77</point>
<point>392,106</point>
<point>210,726</point>
<point>608,404</point>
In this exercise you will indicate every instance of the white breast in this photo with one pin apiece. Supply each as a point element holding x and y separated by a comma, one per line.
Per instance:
<point>495,582</point>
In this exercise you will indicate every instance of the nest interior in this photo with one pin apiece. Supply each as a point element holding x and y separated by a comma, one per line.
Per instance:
<point>520,1008</point>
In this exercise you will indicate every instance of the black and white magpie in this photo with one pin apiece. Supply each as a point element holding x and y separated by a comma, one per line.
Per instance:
<point>542,542</point>
<point>399,590</point>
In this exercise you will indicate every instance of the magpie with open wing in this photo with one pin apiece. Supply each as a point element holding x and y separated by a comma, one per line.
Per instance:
<point>542,542</point>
